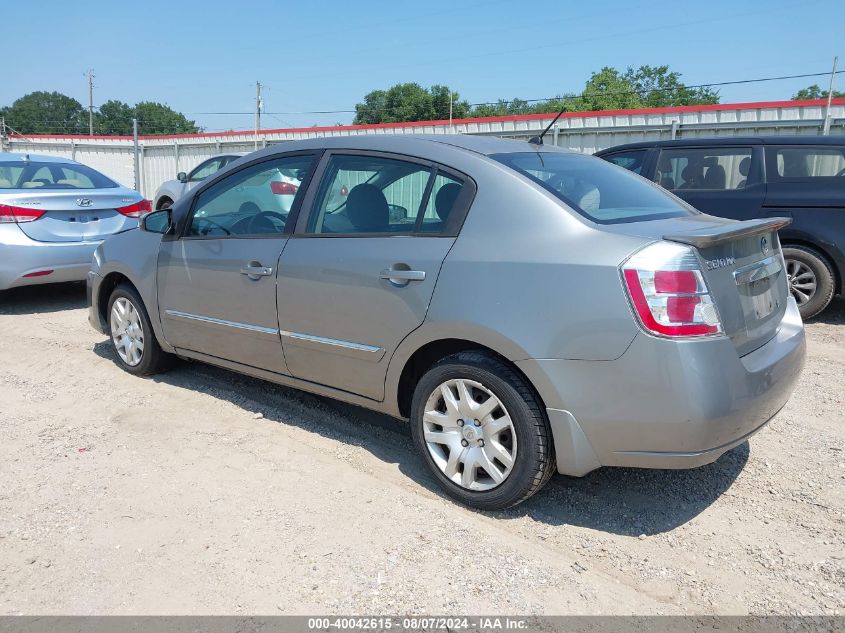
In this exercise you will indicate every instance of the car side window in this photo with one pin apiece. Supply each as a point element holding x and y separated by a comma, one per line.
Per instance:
<point>808,162</point>
<point>704,168</point>
<point>254,201</point>
<point>205,170</point>
<point>369,194</point>
<point>441,203</point>
<point>632,160</point>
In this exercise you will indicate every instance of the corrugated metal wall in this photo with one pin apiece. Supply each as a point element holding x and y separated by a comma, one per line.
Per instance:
<point>162,157</point>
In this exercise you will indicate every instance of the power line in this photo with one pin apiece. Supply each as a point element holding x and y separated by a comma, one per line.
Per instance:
<point>555,98</point>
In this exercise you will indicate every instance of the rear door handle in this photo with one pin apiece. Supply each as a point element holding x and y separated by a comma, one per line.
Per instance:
<point>254,270</point>
<point>402,277</point>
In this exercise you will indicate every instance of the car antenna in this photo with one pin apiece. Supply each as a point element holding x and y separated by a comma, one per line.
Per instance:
<point>538,140</point>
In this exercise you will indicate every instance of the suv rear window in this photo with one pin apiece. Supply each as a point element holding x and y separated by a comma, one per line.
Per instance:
<point>595,188</point>
<point>41,176</point>
<point>810,162</point>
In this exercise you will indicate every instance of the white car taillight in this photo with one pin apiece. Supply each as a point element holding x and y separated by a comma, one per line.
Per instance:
<point>669,293</point>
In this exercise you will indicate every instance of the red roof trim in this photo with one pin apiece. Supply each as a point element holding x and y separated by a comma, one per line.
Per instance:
<point>496,119</point>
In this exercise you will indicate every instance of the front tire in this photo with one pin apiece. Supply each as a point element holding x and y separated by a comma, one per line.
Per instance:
<point>131,333</point>
<point>482,431</point>
<point>811,279</point>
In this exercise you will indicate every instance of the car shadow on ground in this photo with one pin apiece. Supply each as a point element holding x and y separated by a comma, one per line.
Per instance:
<point>623,501</point>
<point>833,314</point>
<point>43,298</point>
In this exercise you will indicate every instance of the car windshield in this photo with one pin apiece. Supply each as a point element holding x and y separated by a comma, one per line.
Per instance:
<point>40,175</point>
<point>596,189</point>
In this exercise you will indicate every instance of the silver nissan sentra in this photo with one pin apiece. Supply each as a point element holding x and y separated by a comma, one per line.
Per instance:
<point>53,213</point>
<point>528,309</point>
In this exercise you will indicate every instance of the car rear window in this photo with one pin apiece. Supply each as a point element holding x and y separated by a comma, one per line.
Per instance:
<point>596,189</point>
<point>810,162</point>
<point>52,176</point>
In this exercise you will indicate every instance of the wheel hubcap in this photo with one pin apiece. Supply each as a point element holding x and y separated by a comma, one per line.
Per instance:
<point>802,281</point>
<point>127,332</point>
<point>469,434</point>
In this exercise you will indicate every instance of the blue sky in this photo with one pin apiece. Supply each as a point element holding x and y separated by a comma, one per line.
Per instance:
<point>204,57</point>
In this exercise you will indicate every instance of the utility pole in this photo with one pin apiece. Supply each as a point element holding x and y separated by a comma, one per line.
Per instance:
<point>450,111</point>
<point>136,155</point>
<point>90,75</point>
<point>826,126</point>
<point>3,136</point>
<point>258,105</point>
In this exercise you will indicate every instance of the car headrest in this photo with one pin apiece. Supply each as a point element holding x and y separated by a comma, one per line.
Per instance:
<point>366,208</point>
<point>745,166</point>
<point>444,201</point>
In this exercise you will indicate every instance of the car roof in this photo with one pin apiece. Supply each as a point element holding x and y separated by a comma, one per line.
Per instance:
<point>722,141</point>
<point>410,143</point>
<point>34,158</point>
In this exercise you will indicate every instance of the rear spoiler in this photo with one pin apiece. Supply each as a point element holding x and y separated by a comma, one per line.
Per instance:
<point>705,238</point>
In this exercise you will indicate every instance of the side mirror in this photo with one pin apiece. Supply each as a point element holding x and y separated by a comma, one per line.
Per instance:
<point>157,222</point>
<point>182,176</point>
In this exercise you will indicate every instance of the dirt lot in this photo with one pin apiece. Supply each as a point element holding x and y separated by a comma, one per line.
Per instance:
<point>205,492</point>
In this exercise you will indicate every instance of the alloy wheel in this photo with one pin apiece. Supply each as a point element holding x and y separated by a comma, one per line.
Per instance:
<point>127,331</point>
<point>469,434</point>
<point>802,281</point>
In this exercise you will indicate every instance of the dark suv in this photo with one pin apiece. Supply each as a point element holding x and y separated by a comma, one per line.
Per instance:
<point>801,177</point>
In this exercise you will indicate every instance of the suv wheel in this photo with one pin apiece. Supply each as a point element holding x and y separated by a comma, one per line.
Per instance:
<point>482,431</point>
<point>810,278</point>
<point>132,337</point>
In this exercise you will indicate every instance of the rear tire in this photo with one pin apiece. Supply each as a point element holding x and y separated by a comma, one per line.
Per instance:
<point>491,446</point>
<point>132,337</point>
<point>811,279</point>
<point>165,203</point>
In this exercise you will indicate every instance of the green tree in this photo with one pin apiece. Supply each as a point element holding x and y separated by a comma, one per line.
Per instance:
<point>814,92</point>
<point>657,87</point>
<point>157,118</point>
<point>46,113</point>
<point>409,102</point>
<point>608,89</point>
<point>114,117</point>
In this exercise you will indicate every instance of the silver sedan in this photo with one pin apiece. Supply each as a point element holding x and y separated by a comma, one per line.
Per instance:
<point>527,309</point>
<point>53,213</point>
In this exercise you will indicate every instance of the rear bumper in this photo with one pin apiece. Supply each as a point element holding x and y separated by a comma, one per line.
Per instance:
<point>667,404</point>
<point>20,256</point>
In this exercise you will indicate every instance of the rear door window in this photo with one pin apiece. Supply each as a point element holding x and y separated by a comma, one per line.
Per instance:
<point>362,194</point>
<point>799,163</point>
<point>704,168</point>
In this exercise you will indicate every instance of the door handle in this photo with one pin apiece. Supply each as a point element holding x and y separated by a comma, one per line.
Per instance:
<point>254,270</point>
<point>401,276</point>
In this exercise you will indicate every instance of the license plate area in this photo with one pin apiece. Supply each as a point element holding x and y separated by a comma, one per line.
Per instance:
<point>758,289</point>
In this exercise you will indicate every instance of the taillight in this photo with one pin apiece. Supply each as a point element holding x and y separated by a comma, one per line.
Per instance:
<point>10,214</point>
<point>669,293</point>
<point>137,209</point>
<point>281,188</point>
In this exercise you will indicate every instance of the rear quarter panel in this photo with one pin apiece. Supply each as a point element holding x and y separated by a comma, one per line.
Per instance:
<point>528,279</point>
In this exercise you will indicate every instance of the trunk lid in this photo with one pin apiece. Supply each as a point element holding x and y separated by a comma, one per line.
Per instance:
<point>78,216</point>
<point>742,265</point>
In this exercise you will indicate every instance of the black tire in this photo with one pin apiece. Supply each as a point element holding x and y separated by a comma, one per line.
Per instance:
<point>824,276</point>
<point>165,203</point>
<point>153,359</point>
<point>534,462</point>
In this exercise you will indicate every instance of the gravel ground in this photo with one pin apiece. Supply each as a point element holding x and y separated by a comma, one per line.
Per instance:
<point>204,492</point>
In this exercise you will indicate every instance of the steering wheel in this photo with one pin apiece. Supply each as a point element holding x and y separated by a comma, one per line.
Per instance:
<point>260,222</point>
<point>212,224</point>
